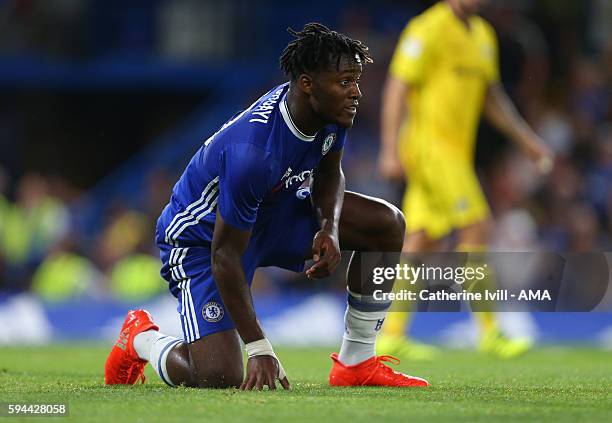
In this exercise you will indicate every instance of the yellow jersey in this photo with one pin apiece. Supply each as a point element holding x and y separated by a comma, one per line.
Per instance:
<point>448,67</point>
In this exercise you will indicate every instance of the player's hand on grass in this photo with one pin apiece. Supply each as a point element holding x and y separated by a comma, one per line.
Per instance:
<point>325,253</point>
<point>390,167</point>
<point>263,370</point>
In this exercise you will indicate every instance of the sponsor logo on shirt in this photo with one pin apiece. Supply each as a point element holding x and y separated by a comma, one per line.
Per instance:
<point>301,177</point>
<point>287,180</point>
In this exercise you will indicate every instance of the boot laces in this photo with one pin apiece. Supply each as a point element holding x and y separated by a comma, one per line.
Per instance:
<point>382,359</point>
<point>380,364</point>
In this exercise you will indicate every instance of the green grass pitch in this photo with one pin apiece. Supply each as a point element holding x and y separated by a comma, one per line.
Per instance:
<point>553,384</point>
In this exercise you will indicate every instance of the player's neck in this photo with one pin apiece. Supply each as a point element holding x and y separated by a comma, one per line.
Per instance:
<point>459,13</point>
<point>302,115</point>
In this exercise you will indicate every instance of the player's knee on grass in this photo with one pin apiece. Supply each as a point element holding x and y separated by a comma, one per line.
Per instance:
<point>183,370</point>
<point>216,361</point>
<point>215,375</point>
<point>228,377</point>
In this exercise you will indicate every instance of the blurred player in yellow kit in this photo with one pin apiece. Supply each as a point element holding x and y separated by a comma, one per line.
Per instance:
<point>443,74</point>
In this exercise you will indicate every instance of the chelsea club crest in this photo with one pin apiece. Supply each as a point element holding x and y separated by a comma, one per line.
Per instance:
<point>212,312</point>
<point>328,142</point>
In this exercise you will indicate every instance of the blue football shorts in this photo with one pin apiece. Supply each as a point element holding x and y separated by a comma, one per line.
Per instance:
<point>281,237</point>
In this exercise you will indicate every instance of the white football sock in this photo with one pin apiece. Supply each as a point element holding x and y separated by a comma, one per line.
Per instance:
<point>154,346</point>
<point>359,339</point>
<point>143,342</point>
<point>159,353</point>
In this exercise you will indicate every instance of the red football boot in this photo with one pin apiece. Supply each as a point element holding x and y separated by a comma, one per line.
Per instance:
<point>372,372</point>
<point>123,366</point>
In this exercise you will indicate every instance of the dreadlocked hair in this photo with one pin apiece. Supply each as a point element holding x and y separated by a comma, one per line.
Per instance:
<point>317,47</point>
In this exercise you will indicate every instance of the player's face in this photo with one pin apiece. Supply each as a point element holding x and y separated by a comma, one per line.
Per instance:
<point>335,92</point>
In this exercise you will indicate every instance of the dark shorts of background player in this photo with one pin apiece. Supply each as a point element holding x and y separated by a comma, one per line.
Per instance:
<point>281,237</point>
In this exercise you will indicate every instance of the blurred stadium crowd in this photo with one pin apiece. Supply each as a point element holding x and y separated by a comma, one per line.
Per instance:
<point>556,62</point>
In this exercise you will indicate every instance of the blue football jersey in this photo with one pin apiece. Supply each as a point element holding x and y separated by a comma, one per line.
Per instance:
<point>246,169</point>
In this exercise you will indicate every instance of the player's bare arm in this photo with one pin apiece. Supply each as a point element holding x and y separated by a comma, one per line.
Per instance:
<point>228,245</point>
<point>392,112</point>
<point>500,111</point>
<point>327,197</point>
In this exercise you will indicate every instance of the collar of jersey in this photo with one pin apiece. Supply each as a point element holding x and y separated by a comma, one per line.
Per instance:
<point>289,121</point>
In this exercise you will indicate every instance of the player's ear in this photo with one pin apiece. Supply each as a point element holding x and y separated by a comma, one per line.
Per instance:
<point>304,81</point>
